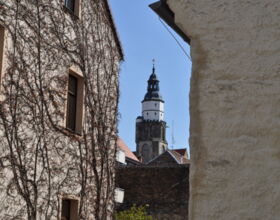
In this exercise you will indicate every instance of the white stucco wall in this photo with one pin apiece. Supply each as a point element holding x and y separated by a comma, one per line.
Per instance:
<point>153,110</point>
<point>234,107</point>
<point>120,156</point>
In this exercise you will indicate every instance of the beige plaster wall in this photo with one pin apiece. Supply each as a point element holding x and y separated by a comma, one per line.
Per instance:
<point>234,107</point>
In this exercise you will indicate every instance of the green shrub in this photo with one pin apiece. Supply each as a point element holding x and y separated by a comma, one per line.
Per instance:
<point>134,213</point>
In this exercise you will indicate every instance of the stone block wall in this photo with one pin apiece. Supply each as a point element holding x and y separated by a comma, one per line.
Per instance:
<point>164,189</point>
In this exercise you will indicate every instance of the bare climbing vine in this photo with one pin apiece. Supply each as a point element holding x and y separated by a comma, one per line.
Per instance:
<point>40,160</point>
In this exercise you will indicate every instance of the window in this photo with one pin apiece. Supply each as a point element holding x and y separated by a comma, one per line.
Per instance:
<point>70,4</point>
<point>73,6</point>
<point>2,37</point>
<point>74,114</point>
<point>72,102</point>
<point>69,209</point>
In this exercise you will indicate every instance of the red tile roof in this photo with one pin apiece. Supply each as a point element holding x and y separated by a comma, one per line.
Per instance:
<point>181,151</point>
<point>162,160</point>
<point>182,159</point>
<point>128,152</point>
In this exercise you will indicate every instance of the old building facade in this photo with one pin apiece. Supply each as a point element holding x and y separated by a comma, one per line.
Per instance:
<point>59,63</point>
<point>234,106</point>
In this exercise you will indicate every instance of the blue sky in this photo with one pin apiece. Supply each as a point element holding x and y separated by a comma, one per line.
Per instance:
<point>144,38</point>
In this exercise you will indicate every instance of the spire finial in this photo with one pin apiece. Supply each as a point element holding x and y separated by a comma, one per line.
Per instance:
<point>154,65</point>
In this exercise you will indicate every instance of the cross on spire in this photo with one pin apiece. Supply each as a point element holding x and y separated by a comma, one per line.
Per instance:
<point>153,60</point>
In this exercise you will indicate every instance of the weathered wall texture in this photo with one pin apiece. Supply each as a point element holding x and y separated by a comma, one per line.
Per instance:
<point>164,189</point>
<point>40,160</point>
<point>234,107</point>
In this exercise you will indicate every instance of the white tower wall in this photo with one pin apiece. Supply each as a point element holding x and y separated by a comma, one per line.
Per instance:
<point>153,110</point>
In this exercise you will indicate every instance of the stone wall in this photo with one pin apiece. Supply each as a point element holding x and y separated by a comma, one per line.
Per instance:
<point>150,139</point>
<point>164,189</point>
<point>43,162</point>
<point>234,107</point>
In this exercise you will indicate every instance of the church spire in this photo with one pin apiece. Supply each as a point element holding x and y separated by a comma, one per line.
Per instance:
<point>151,127</point>
<point>153,87</point>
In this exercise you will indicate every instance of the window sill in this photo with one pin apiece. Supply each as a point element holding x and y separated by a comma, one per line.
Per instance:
<point>73,133</point>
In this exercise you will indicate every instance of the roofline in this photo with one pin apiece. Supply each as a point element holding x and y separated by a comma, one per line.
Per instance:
<point>162,154</point>
<point>174,157</point>
<point>164,12</point>
<point>132,160</point>
<point>115,32</point>
<point>152,99</point>
<point>120,149</point>
<point>154,158</point>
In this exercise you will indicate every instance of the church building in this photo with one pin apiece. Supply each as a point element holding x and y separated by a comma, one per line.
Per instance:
<point>150,127</point>
<point>139,177</point>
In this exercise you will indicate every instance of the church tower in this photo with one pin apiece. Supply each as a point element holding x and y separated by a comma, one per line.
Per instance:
<point>150,127</point>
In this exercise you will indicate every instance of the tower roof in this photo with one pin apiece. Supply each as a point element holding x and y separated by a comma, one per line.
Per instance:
<point>153,88</point>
